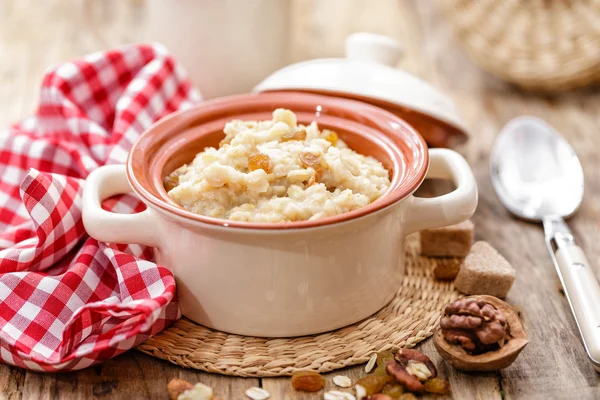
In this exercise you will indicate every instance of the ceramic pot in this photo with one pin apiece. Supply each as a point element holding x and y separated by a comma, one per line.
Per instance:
<point>289,279</point>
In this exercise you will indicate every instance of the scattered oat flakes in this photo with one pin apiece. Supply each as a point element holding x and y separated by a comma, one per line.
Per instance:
<point>371,363</point>
<point>256,393</point>
<point>337,395</point>
<point>342,381</point>
<point>361,392</point>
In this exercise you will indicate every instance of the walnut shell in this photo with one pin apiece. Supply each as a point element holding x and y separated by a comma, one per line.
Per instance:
<point>494,360</point>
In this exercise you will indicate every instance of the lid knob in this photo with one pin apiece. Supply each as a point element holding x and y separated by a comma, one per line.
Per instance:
<point>373,47</point>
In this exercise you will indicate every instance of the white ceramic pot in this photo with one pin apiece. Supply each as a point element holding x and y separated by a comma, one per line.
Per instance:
<point>225,45</point>
<point>278,280</point>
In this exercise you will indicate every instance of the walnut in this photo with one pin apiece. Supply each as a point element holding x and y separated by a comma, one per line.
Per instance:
<point>475,324</point>
<point>410,368</point>
<point>480,333</point>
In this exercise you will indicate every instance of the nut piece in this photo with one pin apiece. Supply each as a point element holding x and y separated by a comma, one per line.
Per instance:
<point>418,369</point>
<point>448,241</point>
<point>401,374</point>
<point>480,333</point>
<point>177,386</point>
<point>256,393</point>
<point>307,381</point>
<point>406,356</point>
<point>410,367</point>
<point>485,271</point>
<point>342,381</point>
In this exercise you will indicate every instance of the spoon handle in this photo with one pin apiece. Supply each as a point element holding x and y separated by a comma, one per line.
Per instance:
<point>579,282</point>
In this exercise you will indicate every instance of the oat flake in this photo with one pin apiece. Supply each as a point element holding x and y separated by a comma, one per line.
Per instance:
<point>371,363</point>
<point>361,392</point>
<point>256,393</point>
<point>337,395</point>
<point>342,381</point>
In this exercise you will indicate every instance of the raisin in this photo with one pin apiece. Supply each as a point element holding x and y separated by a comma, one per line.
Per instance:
<point>259,161</point>
<point>307,381</point>
<point>310,160</point>
<point>380,371</point>
<point>171,181</point>
<point>373,383</point>
<point>330,136</point>
<point>295,135</point>
<point>437,385</point>
<point>382,358</point>
<point>393,389</point>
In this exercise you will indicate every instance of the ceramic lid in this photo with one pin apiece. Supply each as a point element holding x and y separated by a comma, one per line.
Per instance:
<point>368,73</point>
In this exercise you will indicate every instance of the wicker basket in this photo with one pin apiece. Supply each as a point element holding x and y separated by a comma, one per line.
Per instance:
<point>550,45</point>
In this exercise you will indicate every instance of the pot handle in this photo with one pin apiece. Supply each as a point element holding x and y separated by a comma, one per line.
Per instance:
<point>106,226</point>
<point>448,209</point>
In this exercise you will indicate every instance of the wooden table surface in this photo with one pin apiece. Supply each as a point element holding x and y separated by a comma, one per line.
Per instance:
<point>35,34</point>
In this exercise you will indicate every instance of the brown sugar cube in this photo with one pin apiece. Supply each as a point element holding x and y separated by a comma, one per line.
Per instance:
<point>446,269</point>
<point>448,241</point>
<point>485,271</point>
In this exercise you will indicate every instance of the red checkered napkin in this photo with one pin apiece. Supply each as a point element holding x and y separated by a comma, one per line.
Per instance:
<point>67,301</point>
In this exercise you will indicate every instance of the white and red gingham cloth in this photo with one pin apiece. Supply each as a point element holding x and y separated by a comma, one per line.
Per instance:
<point>67,301</point>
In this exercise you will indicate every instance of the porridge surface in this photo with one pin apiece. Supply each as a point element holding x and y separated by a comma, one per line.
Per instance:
<point>277,171</point>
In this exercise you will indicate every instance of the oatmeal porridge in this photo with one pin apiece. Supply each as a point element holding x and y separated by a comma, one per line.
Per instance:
<point>277,171</point>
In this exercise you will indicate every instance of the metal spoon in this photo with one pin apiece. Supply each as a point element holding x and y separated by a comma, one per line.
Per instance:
<point>538,177</point>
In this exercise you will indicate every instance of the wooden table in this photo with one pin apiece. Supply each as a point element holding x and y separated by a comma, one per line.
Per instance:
<point>34,34</point>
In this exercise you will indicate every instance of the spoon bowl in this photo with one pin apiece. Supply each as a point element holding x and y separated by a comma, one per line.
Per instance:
<point>534,171</point>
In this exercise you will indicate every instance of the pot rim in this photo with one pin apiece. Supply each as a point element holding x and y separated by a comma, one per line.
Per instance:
<point>404,187</point>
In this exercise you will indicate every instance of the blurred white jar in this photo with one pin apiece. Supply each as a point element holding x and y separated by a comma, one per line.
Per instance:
<point>227,46</point>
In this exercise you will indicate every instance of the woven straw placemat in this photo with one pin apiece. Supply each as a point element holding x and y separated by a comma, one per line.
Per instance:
<point>543,45</point>
<point>407,320</point>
